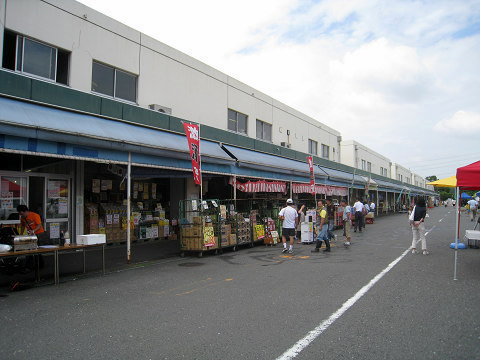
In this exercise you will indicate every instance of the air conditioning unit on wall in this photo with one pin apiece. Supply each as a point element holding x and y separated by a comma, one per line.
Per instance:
<point>160,108</point>
<point>284,144</point>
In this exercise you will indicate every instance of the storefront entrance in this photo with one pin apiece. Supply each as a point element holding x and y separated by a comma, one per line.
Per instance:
<point>47,194</point>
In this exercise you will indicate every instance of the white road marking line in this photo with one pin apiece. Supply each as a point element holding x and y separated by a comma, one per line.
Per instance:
<point>312,335</point>
<point>440,220</point>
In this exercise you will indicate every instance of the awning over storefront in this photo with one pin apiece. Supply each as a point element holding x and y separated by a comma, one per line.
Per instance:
<point>257,164</point>
<point>342,178</point>
<point>370,183</point>
<point>41,129</point>
<point>388,186</point>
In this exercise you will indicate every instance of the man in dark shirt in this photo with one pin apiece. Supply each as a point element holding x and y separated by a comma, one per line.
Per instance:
<point>331,219</point>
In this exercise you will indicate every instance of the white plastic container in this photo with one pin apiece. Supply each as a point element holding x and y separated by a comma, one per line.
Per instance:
<point>91,239</point>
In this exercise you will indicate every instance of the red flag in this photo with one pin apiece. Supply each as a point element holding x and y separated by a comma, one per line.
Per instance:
<point>312,175</point>
<point>191,131</point>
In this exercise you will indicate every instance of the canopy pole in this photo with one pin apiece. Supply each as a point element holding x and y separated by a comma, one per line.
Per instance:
<point>235,191</point>
<point>200,166</point>
<point>457,232</point>
<point>129,170</point>
<point>386,201</point>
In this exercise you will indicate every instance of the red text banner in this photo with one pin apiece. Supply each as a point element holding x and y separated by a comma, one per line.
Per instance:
<point>191,130</point>
<point>320,189</point>
<point>312,175</point>
<point>260,186</point>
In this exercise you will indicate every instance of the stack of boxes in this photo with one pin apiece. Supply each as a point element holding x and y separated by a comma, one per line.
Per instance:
<point>91,219</point>
<point>226,236</point>
<point>114,218</point>
<point>243,230</point>
<point>192,236</point>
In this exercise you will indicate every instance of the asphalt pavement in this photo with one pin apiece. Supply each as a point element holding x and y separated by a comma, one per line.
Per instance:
<point>373,300</point>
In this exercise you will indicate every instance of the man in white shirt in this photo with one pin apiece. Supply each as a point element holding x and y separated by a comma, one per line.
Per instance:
<point>473,208</point>
<point>347,221</point>
<point>289,216</point>
<point>372,207</point>
<point>358,206</point>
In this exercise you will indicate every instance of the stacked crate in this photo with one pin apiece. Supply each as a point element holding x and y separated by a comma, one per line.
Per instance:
<point>192,236</point>
<point>244,233</point>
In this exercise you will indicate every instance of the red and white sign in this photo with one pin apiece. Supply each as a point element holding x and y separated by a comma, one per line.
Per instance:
<point>320,189</point>
<point>260,186</point>
<point>312,175</point>
<point>193,138</point>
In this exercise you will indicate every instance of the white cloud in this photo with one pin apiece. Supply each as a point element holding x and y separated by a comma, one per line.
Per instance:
<point>462,123</point>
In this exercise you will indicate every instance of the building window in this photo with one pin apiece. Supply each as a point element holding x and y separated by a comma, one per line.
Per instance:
<point>34,58</point>
<point>237,121</point>
<point>383,171</point>
<point>400,177</point>
<point>312,147</point>
<point>364,165</point>
<point>369,166</point>
<point>114,82</point>
<point>325,151</point>
<point>264,130</point>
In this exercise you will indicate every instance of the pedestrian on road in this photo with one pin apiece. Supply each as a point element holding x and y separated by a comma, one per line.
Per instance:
<point>358,206</point>
<point>372,207</point>
<point>347,222</point>
<point>331,217</point>
<point>301,219</point>
<point>473,204</point>
<point>418,215</point>
<point>289,216</point>
<point>322,227</point>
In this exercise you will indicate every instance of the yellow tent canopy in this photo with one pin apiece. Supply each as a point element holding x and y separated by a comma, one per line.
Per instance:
<point>447,182</point>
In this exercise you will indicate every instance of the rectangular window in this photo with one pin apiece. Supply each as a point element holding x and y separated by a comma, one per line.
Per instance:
<point>312,147</point>
<point>369,166</point>
<point>325,151</point>
<point>364,165</point>
<point>113,82</point>
<point>264,130</point>
<point>34,58</point>
<point>237,121</point>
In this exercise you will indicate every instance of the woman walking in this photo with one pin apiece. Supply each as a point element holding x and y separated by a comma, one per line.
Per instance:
<point>418,226</point>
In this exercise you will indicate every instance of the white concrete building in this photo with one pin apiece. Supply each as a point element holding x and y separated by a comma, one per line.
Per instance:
<point>361,157</point>
<point>401,173</point>
<point>418,180</point>
<point>93,53</point>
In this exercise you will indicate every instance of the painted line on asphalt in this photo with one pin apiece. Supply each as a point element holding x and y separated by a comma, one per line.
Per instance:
<point>324,325</point>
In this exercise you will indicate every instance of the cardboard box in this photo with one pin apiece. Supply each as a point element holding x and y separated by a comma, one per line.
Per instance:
<point>232,239</point>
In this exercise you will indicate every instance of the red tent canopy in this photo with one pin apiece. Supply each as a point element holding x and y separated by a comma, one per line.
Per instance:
<point>468,177</point>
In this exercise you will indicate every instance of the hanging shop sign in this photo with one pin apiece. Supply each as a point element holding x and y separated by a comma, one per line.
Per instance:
<point>260,186</point>
<point>192,132</point>
<point>312,175</point>
<point>320,189</point>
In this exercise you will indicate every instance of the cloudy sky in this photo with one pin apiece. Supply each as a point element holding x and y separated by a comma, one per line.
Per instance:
<point>401,77</point>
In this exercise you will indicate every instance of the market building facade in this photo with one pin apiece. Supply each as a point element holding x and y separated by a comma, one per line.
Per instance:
<point>88,105</point>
